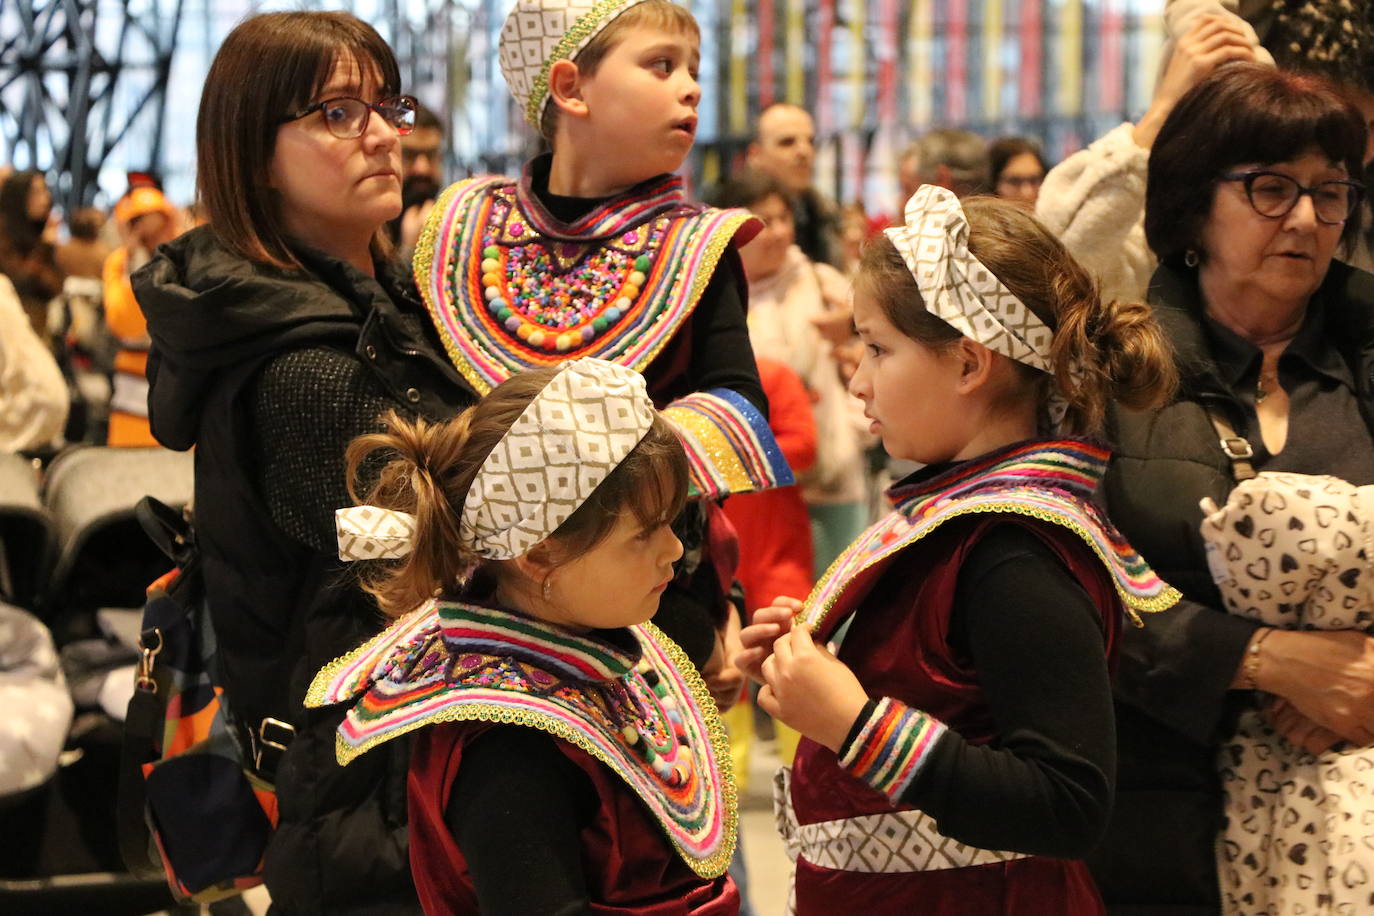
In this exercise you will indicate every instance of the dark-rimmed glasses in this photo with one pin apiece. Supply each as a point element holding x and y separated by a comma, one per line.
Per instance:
<point>1274,194</point>
<point>346,118</point>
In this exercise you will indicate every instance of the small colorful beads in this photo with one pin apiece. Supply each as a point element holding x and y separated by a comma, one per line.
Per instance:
<point>569,304</point>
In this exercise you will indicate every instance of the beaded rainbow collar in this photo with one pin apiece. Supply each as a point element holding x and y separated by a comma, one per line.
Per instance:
<point>510,288</point>
<point>629,698</point>
<point>1049,480</point>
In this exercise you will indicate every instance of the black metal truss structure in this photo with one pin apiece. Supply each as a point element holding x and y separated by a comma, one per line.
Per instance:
<point>78,78</point>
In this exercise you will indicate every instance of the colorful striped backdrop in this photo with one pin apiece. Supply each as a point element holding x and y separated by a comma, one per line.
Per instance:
<point>878,73</point>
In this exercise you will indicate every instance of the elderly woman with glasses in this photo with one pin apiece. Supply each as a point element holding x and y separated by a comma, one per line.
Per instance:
<point>1250,192</point>
<point>280,331</point>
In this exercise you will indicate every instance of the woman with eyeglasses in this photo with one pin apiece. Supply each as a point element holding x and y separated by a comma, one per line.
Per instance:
<point>1250,192</point>
<point>281,330</point>
<point>1016,169</point>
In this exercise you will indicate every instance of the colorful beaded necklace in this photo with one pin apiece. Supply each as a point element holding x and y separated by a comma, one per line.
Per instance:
<point>510,287</point>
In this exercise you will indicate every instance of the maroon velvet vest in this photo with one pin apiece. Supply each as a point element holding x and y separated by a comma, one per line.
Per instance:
<point>898,645</point>
<point>631,868</point>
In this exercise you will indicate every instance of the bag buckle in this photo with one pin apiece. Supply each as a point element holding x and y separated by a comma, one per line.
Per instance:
<point>269,743</point>
<point>1237,448</point>
<point>146,657</point>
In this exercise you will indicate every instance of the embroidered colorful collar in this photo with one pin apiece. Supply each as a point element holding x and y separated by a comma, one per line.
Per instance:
<point>509,287</point>
<point>658,196</point>
<point>598,657</point>
<point>1075,466</point>
<point>630,698</point>
<point>1052,481</point>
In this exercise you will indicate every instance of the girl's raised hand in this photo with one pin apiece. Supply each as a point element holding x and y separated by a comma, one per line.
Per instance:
<point>757,639</point>
<point>810,689</point>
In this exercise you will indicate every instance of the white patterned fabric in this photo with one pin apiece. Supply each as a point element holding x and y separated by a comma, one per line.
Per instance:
<point>38,706</point>
<point>373,533</point>
<point>894,842</point>
<point>589,416</point>
<point>1294,551</point>
<point>538,33</point>
<point>957,288</point>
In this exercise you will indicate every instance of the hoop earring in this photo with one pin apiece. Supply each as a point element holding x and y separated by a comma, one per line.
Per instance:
<point>1190,258</point>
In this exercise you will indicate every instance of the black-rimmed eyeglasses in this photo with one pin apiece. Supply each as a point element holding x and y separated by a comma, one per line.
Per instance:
<point>1274,194</point>
<point>346,118</point>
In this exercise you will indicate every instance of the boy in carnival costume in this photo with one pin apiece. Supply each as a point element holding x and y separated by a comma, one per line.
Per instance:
<point>594,251</point>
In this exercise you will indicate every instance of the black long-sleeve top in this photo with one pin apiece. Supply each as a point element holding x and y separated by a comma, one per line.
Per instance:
<point>1043,786</point>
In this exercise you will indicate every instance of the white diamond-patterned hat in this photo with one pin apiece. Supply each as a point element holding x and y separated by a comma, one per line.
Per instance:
<point>539,33</point>
<point>958,288</point>
<point>569,439</point>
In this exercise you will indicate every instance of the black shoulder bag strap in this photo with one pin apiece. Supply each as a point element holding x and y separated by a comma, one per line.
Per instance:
<point>172,534</point>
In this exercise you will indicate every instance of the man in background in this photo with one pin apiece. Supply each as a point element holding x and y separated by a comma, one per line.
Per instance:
<point>784,147</point>
<point>422,160</point>
<point>951,158</point>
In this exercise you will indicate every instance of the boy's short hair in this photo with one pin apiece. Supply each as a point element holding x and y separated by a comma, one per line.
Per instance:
<point>653,14</point>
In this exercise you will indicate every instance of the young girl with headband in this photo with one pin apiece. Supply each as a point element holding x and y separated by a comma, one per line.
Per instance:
<point>569,758</point>
<point>959,745</point>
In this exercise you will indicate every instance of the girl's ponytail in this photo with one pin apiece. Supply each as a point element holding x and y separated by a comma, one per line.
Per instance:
<point>1105,352</point>
<point>420,468</point>
<point>1102,352</point>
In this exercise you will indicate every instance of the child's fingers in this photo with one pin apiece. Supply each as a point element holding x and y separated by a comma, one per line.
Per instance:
<point>750,661</point>
<point>760,636</point>
<point>779,616</point>
<point>769,669</point>
<point>768,702</point>
<point>800,641</point>
<point>792,604</point>
<point>782,648</point>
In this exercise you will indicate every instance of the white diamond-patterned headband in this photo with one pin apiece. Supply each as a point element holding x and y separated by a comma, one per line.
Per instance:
<point>539,33</point>
<point>958,288</point>
<point>589,416</point>
<point>564,444</point>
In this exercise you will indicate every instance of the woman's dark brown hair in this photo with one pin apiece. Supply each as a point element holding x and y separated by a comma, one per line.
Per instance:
<point>1004,149</point>
<point>21,232</point>
<point>269,67</point>
<point>1101,352</point>
<point>429,467</point>
<point>1241,113</point>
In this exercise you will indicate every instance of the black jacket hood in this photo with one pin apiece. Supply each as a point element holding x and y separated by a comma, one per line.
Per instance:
<point>210,310</point>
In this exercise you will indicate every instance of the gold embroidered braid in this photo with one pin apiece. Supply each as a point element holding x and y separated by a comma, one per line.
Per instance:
<point>1133,604</point>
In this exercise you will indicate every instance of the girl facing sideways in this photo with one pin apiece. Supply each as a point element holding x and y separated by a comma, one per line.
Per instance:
<point>959,743</point>
<point>568,757</point>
